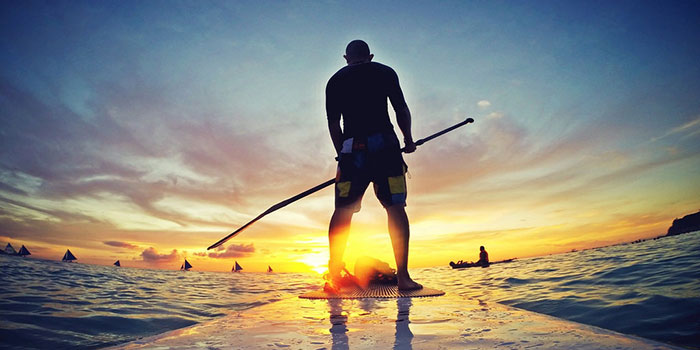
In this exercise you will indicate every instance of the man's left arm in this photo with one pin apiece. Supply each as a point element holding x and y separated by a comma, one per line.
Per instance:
<point>333,115</point>
<point>336,134</point>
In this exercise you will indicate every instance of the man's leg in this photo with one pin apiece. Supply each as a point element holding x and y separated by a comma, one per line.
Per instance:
<point>338,231</point>
<point>400,234</point>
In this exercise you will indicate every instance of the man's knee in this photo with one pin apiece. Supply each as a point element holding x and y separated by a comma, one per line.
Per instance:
<point>343,212</point>
<point>342,216</point>
<point>396,208</point>
<point>397,212</point>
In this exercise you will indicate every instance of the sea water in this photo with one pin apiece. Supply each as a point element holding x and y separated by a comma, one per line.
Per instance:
<point>649,289</point>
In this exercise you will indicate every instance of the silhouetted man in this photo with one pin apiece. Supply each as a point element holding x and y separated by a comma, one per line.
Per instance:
<point>483,257</point>
<point>368,151</point>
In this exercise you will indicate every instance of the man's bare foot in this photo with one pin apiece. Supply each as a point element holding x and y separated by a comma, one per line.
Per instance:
<point>330,288</point>
<point>408,284</point>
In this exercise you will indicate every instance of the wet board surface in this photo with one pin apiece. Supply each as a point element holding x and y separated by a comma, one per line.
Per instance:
<point>373,291</point>
<point>447,322</point>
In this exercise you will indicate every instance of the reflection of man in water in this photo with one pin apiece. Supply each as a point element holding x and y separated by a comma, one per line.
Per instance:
<point>483,257</point>
<point>339,329</point>
<point>368,151</point>
<point>403,336</point>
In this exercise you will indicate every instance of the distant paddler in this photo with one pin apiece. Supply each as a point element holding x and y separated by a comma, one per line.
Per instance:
<point>483,257</point>
<point>483,260</point>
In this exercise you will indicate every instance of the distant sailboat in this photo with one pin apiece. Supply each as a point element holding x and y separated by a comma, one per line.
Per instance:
<point>69,256</point>
<point>116,263</point>
<point>269,269</point>
<point>10,250</point>
<point>236,267</point>
<point>23,251</point>
<point>186,266</point>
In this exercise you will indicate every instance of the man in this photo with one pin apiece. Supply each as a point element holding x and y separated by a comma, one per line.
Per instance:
<point>368,151</point>
<point>483,257</point>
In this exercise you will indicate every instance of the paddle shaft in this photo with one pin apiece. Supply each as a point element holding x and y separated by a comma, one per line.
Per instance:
<point>319,187</point>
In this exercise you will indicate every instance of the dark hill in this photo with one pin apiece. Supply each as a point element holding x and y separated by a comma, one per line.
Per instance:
<point>688,223</point>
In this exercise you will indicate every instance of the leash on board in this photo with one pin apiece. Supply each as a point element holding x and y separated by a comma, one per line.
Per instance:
<point>316,188</point>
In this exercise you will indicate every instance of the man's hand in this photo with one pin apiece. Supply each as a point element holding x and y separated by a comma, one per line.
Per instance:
<point>410,147</point>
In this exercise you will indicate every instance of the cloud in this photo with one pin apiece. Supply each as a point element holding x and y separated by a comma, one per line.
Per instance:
<point>139,146</point>
<point>151,255</point>
<point>690,128</point>
<point>118,244</point>
<point>234,251</point>
<point>483,104</point>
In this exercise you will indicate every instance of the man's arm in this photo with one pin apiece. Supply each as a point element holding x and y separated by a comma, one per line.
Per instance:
<point>336,134</point>
<point>403,119</point>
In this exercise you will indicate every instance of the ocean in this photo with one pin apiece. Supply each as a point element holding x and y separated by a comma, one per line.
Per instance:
<point>649,289</point>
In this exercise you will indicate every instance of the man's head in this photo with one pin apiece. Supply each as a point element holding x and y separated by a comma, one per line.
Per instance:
<point>357,52</point>
<point>481,248</point>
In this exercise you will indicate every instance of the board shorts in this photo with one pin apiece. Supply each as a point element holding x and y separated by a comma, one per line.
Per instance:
<point>376,158</point>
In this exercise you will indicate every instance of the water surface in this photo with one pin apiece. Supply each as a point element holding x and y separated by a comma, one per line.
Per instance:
<point>650,289</point>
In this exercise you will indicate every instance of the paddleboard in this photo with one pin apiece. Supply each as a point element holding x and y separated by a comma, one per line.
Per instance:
<point>373,291</point>
<point>448,322</point>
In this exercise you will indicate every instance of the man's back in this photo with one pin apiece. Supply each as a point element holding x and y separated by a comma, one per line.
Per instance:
<point>359,92</point>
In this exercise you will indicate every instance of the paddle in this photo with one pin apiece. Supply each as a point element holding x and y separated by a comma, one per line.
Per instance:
<point>291,200</point>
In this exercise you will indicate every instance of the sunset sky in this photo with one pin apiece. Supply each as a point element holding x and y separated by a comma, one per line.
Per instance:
<point>144,131</point>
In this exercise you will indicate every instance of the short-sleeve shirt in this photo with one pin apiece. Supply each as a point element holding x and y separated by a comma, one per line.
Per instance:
<point>359,93</point>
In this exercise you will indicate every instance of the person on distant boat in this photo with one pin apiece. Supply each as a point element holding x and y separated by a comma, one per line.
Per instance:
<point>368,151</point>
<point>483,257</point>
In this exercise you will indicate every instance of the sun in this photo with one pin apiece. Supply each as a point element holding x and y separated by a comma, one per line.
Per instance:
<point>317,261</point>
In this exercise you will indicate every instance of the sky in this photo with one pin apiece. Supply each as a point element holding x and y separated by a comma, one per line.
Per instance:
<point>144,131</point>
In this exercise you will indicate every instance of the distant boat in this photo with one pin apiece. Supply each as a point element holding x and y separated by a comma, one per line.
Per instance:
<point>23,251</point>
<point>269,269</point>
<point>186,266</point>
<point>10,250</point>
<point>116,263</point>
<point>69,256</point>
<point>236,267</point>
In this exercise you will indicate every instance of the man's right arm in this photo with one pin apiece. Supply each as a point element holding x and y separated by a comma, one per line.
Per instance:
<point>336,134</point>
